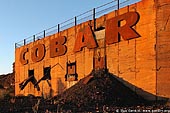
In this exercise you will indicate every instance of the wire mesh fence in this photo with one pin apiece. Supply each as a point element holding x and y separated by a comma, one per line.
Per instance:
<point>88,15</point>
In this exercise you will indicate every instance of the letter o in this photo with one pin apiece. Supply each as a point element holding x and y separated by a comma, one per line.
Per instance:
<point>38,52</point>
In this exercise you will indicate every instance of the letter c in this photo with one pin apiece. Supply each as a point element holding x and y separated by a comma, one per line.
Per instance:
<point>23,60</point>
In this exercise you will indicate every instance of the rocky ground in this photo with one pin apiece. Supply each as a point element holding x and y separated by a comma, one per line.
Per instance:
<point>100,92</point>
<point>6,85</point>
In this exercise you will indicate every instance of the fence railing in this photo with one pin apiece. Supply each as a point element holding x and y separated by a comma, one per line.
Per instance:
<point>88,15</point>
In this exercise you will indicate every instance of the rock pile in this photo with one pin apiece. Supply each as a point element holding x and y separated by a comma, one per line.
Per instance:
<point>100,91</point>
<point>7,80</point>
<point>6,85</point>
<point>96,90</point>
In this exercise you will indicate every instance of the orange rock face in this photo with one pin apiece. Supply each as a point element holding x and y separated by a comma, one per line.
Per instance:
<point>139,55</point>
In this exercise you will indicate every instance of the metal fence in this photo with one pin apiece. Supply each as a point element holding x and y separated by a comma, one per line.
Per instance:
<point>88,15</point>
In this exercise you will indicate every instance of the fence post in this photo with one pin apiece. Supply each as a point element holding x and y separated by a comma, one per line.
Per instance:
<point>94,19</point>
<point>34,38</point>
<point>15,45</point>
<point>44,33</point>
<point>75,20</point>
<point>118,2</point>
<point>24,41</point>
<point>58,28</point>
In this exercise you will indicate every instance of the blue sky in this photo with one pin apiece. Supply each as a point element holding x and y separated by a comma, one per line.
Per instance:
<point>21,19</point>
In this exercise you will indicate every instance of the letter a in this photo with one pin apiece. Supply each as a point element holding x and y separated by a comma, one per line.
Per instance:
<point>85,38</point>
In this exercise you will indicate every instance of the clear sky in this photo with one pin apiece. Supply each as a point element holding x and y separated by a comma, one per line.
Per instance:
<point>21,19</point>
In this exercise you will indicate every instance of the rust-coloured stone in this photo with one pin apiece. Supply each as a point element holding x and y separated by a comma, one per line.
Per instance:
<point>87,79</point>
<point>85,38</point>
<point>57,47</point>
<point>143,62</point>
<point>99,63</point>
<point>38,52</point>
<point>114,30</point>
<point>71,74</point>
<point>71,69</point>
<point>163,47</point>
<point>23,60</point>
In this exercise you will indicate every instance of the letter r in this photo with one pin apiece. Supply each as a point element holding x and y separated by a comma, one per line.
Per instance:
<point>114,30</point>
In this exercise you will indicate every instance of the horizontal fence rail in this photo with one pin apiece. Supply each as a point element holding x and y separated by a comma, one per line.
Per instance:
<point>88,15</point>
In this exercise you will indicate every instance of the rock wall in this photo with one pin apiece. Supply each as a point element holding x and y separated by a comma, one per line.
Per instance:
<point>162,47</point>
<point>140,63</point>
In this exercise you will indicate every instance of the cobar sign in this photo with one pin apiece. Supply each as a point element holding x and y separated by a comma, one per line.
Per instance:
<point>86,38</point>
